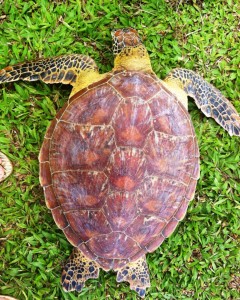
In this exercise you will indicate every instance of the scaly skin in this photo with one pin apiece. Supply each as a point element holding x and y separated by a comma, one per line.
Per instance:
<point>77,70</point>
<point>209,99</point>
<point>78,270</point>
<point>60,69</point>
<point>137,274</point>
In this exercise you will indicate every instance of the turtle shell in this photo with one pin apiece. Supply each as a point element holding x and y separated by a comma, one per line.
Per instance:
<point>119,165</point>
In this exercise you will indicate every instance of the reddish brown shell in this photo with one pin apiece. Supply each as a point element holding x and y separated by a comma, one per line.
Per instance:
<point>119,165</point>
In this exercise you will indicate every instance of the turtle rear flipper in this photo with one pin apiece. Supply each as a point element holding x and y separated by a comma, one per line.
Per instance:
<point>137,274</point>
<point>209,99</point>
<point>78,270</point>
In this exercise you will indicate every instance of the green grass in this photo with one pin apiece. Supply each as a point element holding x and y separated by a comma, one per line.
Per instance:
<point>201,259</point>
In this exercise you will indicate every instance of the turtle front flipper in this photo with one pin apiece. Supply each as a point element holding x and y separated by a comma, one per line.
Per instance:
<point>5,167</point>
<point>78,270</point>
<point>71,69</point>
<point>137,274</point>
<point>209,99</point>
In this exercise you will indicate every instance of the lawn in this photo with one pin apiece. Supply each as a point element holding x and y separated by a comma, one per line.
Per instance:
<point>201,258</point>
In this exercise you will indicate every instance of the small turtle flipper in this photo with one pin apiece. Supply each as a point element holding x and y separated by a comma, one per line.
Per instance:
<point>137,274</point>
<point>208,98</point>
<point>61,69</point>
<point>5,167</point>
<point>78,270</point>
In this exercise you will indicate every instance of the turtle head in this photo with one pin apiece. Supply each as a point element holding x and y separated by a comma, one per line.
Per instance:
<point>126,37</point>
<point>129,50</point>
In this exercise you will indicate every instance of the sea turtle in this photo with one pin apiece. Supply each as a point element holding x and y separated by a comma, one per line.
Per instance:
<point>5,166</point>
<point>120,161</point>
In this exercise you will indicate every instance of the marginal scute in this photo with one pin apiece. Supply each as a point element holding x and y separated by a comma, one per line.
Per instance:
<point>85,250</point>
<point>105,263</point>
<point>45,174</point>
<point>168,230</point>
<point>50,129</point>
<point>153,245</point>
<point>180,214</point>
<point>61,111</point>
<point>44,152</point>
<point>78,95</point>
<point>191,189</point>
<point>50,197</point>
<point>59,217</point>
<point>99,83</point>
<point>72,237</point>
<point>139,254</point>
<point>196,172</point>
<point>118,263</point>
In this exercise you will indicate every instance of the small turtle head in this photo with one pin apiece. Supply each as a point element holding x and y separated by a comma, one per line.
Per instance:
<point>129,51</point>
<point>126,37</point>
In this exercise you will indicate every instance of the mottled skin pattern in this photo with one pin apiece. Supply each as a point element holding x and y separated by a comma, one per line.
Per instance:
<point>5,167</point>
<point>120,162</point>
<point>209,99</point>
<point>123,40</point>
<point>67,69</point>
<point>63,69</point>
<point>74,278</point>
<point>136,273</point>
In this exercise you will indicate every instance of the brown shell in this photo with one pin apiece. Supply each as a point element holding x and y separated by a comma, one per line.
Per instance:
<point>119,165</point>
